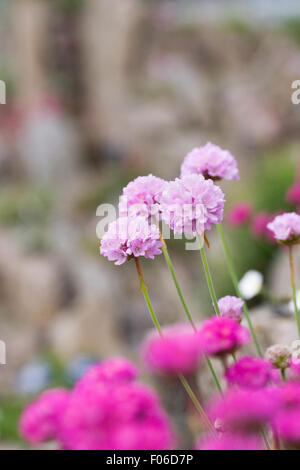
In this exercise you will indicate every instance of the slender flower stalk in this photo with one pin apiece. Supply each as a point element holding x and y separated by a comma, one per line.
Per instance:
<point>293,283</point>
<point>208,277</point>
<point>154,318</point>
<point>185,307</point>
<point>235,282</point>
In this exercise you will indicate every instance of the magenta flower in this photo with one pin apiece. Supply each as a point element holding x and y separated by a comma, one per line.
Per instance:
<point>230,441</point>
<point>293,195</point>
<point>260,224</point>
<point>192,204</point>
<point>286,228</point>
<point>130,237</point>
<point>239,214</point>
<point>177,352</point>
<point>40,420</point>
<point>244,410</point>
<point>109,417</point>
<point>231,307</point>
<point>222,335</point>
<point>115,370</point>
<point>141,197</point>
<point>211,162</point>
<point>251,372</point>
<point>287,427</point>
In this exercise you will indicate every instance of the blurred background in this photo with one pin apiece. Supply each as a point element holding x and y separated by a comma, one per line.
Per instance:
<point>99,92</point>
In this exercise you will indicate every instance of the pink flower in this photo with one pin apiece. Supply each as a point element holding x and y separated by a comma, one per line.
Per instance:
<point>192,204</point>
<point>231,441</point>
<point>231,307</point>
<point>177,352</point>
<point>259,226</point>
<point>293,194</point>
<point>211,162</point>
<point>222,335</point>
<point>239,214</point>
<point>141,197</point>
<point>287,427</point>
<point>244,410</point>
<point>130,237</point>
<point>251,372</point>
<point>104,416</point>
<point>40,420</point>
<point>116,370</point>
<point>286,228</point>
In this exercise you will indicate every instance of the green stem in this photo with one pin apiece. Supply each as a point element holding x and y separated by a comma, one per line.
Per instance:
<point>293,283</point>
<point>283,375</point>
<point>235,282</point>
<point>208,277</point>
<point>213,373</point>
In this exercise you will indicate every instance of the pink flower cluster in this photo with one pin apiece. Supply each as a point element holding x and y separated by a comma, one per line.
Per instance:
<point>231,307</point>
<point>211,162</point>
<point>239,214</point>
<point>130,237</point>
<point>106,410</point>
<point>286,228</point>
<point>177,351</point>
<point>252,372</point>
<point>192,204</point>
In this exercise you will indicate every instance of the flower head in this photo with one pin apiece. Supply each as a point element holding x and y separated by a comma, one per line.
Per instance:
<point>286,228</point>
<point>251,372</point>
<point>286,421</point>
<point>178,351</point>
<point>211,162</point>
<point>141,197</point>
<point>192,204</point>
<point>231,307</point>
<point>239,214</point>
<point>260,224</point>
<point>279,355</point>
<point>40,420</point>
<point>231,441</point>
<point>130,237</point>
<point>222,335</point>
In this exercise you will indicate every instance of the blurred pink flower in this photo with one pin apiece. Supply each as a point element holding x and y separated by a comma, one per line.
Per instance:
<point>239,214</point>
<point>293,194</point>
<point>40,420</point>
<point>231,307</point>
<point>130,237</point>
<point>212,162</point>
<point>230,441</point>
<point>259,226</point>
<point>192,204</point>
<point>286,228</point>
<point>222,335</point>
<point>177,352</point>
<point>252,372</point>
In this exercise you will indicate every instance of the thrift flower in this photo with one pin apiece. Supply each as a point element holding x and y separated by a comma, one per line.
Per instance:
<point>286,228</point>
<point>260,224</point>
<point>251,372</point>
<point>141,197</point>
<point>130,237</point>
<point>279,355</point>
<point>177,352</point>
<point>251,284</point>
<point>231,307</point>
<point>211,162</point>
<point>239,214</point>
<point>40,420</point>
<point>222,335</point>
<point>230,441</point>
<point>192,204</point>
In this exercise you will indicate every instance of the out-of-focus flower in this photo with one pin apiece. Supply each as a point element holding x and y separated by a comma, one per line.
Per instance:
<point>222,335</point>
<point>293,194</point>
<point>286,228</point>
<point>251,284</point>
<point>239,214</point>
<point>130,237</point>
<point>245,410</point>
<point>259,226</point>
<point>286,421</point>
<point>40,420</point>
<point>252,372</point>
<point>141,197</point>
<point>279,355</point>
<point>113,371</point>
<point>231,441</point>
<point>192,204</point>
<point>178,351</point>
<point>104,416</point>
<point>211,162</point>
<point>231,307</point>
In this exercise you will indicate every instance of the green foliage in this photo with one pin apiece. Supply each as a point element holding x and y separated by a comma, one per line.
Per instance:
<point>10,412</point>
